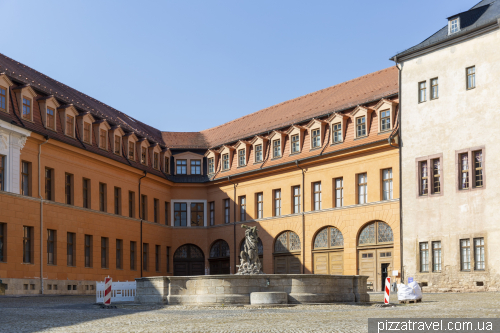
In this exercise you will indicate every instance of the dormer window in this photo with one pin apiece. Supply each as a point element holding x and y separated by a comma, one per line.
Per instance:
<point>70,126</point>
<point>316,138</point>
<point>258,153</point>
<point>225,162</point>
<point>337,132</point>
<point>143,155</point>
<point>86,132</point>
<point>118,144</point>
<point>3,99</point>
<point>155,160</point>
<point>295,144</point>
<point>181,167</point>
<point>241,157</point>
<point>211,165</point>
<point>385,120</point>
<point>26,109</point>
<point>51,120</point>
<point>454,25</point>
<point>167,165</point>
<point>276,148</point>
<point>102,139</point>
<point>195,167</point>
<point>131,151</point>
<point>360,126</point>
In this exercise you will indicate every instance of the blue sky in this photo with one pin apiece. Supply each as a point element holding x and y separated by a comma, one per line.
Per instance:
<point>192,65</point>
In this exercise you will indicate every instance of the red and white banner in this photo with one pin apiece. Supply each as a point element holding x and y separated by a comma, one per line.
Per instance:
<point>387,290</point>
<point>107,290</point>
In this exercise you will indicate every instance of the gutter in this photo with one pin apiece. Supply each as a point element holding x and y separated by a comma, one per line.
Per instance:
<point>41,213</point>
<point>400,144</point>
<point>303,219</point>
<point>234,222</point>
<point>140,216</point>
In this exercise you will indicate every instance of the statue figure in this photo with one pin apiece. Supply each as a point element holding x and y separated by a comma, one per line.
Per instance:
<point>250,262</point>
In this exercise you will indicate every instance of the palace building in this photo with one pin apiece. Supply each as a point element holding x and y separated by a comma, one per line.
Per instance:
<point>89,192</point>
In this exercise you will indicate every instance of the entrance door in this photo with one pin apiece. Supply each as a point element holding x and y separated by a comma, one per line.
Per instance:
<point>385,273</point>
<point>287,265</point>
<point>368,267</point>
<point>219,266</point>
<point>329,263</point>
<point>189,260</point>
<point>384,258</point>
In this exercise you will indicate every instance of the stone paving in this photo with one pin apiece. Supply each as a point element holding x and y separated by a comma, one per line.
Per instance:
<point>80,314</point>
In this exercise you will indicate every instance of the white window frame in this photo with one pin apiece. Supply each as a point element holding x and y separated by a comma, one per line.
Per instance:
<point>188,202</point>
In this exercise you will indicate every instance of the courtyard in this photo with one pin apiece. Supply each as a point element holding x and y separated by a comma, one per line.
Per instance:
<point>81,314</point>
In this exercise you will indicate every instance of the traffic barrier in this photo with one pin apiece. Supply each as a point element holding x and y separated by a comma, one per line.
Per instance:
<point>387,290</point>
<point>119,292</point>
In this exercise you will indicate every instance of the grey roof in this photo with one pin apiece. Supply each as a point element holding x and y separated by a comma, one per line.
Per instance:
<point>485,13</point>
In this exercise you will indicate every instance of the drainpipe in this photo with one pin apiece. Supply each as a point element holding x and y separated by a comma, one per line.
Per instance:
<point>234,222</point>
<point>303,219</point>
<point>400,172</point>
<point>41,213</point>
<point>140,216</point>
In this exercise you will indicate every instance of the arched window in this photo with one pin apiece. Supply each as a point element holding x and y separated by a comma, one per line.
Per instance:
<point>188,251</point>
<point>329,237</point>
<point>189,260</point>
<point>287,241</point>
<point>375,233</point>
<point>220,249</point>
<point>260,246</point>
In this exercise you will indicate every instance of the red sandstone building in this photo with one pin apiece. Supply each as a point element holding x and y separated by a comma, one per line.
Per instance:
<point>87,191</point>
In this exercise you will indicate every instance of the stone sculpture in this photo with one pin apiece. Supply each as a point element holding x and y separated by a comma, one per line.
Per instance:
<point>250,262</point>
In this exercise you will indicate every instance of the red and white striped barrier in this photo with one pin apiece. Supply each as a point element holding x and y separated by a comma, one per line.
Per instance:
<point>387,290</point>
<point>107,290</point>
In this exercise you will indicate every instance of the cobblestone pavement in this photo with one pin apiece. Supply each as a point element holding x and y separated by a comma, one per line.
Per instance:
<point>80,314</point>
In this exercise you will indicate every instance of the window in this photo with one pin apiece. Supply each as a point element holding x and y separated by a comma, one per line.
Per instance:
<point>3,99</point>
<point>51,247</point>
<point>157,258</point>
<point>471,168</point>
<point>362,189</point>
<point>2,242</point>
<point>225,162</point>
<point>156,208</point>
<point>118,142</point>
<point>70,126</point>
<point>478,168</point>
<point>360,127</point>
<point>180,214</point>
<point>197,214</point>
<point>276,148</point>
<point>471,77</point>
<point>28,245</point>
<point>68,188</point>
<point>296,199</point>
<point>167,165</point>
<point>212,212</point>
<point>168,259</point>
<point>337,132</point>
<point>2,173</point>
<point>243,208</point>
<point>464,171</point>
<point>143,156</point>
<point>434,89</point>
<point>119,256</point>
<point>479,254</point>
<point>316,138</point>
<point>144,207</point>
<point>70,247</point>
<point>88,251</point>
<point>51,119</point>
<point>131,151</point>
<point>385,120</point>
<point>226,211</point>
<point>424,257</point>
<point>26,109</point>
<point>339,192</point>
<point>211,165</point>
<point>422,92</point>
<point>317,196</point>
<point>25,178</point>
<point>241,158</point>
<point>131,204</point>
<point>102,139</point>
<point>196,167</point>
<point>86,193</point>
<point>156,157</point>
<point>295,144</point>
<point>167,212</point>
<point>424,178</point>
<point>118,200</point>
<point>465,254</point>
<point>102,197</point>
<point>454,26</point>
<point>86,132</point>
<point>436,175</point>
<point>104,252</point>
<point>260,205</point>
<point>48,184</point>
<point>277,202</point>
<point>132,255</point>
<point>181,167</point>
<point>258,153</point>
<point>436,256</point>
<point>387,184</point>
<point>145,256</point>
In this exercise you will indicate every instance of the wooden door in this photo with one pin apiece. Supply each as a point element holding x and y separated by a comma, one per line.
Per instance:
<point>197,268</point>
<point>321,263</point>
<point>384,256</point>
<point>219,266</point>
<point>294,266</point>
<point>368,266</point>
<point>287,265</point>
<point>336,263</point>
<point>181,268</point>
<point>280,265</point>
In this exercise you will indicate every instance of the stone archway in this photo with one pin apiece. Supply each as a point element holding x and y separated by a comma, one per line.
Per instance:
<point>287,253</point>
<point>189,260</point>
<point>375,253</point>
<point>328,252</point>
<point>220,258</point>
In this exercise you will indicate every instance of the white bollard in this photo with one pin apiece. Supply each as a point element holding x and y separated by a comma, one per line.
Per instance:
<point>107,290</point>
<point>387,290</point>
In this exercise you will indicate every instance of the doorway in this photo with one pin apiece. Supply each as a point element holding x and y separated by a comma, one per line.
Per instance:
<point>385,273</point>
<point>189,260</point>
